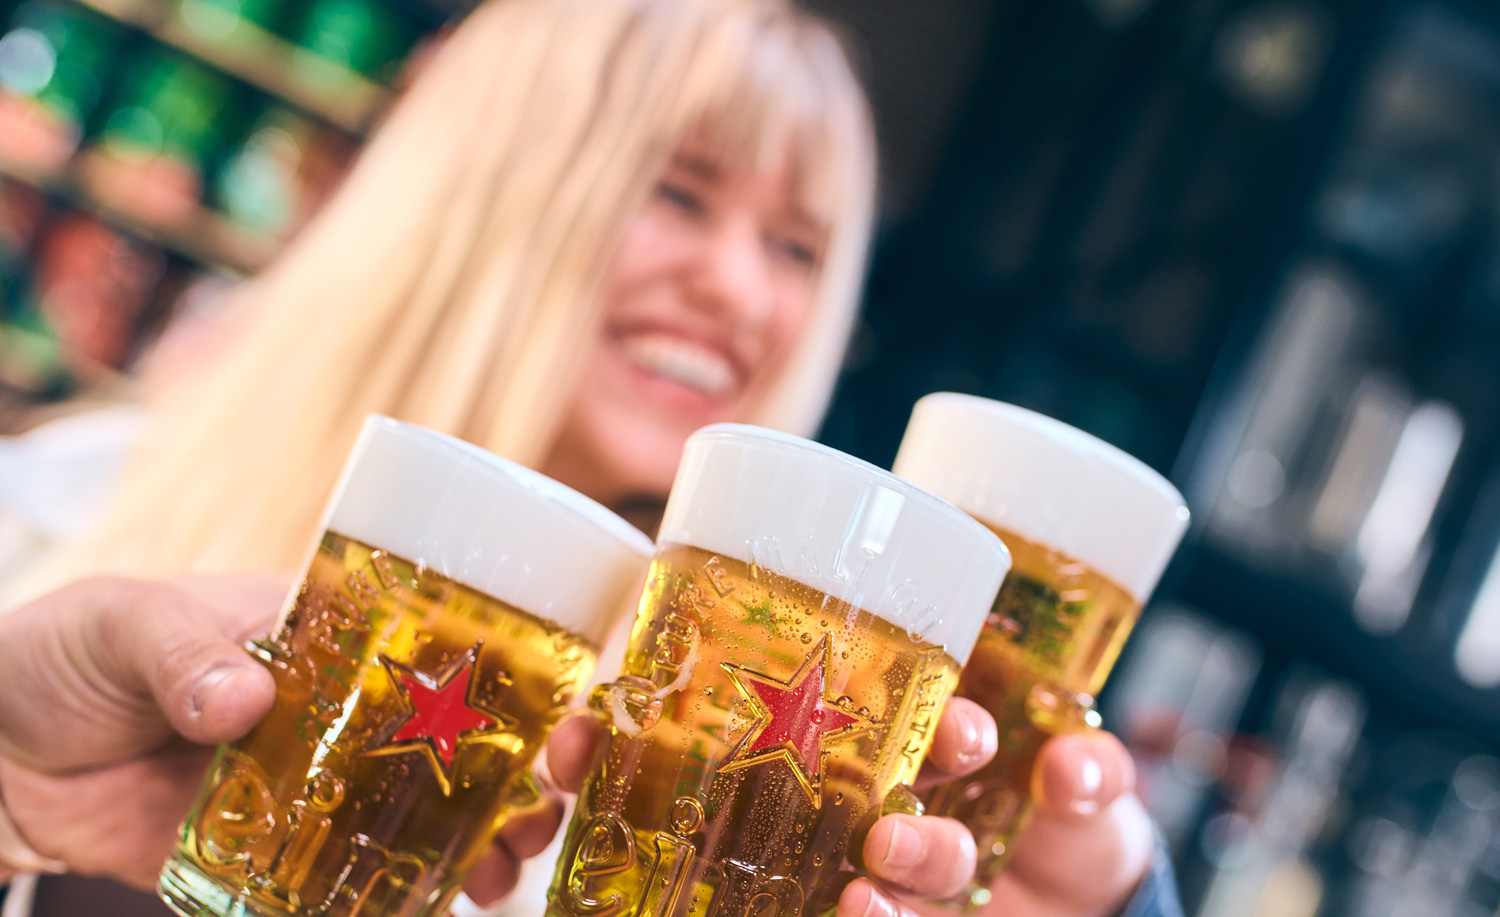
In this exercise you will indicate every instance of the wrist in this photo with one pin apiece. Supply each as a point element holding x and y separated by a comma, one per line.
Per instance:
<point>16,854</point>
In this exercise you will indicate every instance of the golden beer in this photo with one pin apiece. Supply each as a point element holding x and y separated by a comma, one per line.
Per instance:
<point>1054,634</point>
<point>392,683</point>
<point>1090,530</point>
<point>409,707</point>
<point>763,723</point>
<point>720,776</point>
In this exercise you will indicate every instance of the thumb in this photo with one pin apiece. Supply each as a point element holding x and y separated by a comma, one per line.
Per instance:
<point>109,668</point>
<point>1089,840</point>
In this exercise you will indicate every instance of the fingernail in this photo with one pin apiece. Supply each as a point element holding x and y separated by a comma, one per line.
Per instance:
<point>1093,776</point>
<point>1090,779</point>
<point>970,740</point>
<point>203,691</point>
<point>906,845</point>
<point>879,906</point>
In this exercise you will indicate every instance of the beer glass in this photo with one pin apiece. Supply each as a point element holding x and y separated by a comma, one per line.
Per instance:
<point>1090,530</point>
<point>449,614</point>
<point>803,623</point>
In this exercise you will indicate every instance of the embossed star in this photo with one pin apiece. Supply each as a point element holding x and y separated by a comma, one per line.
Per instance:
<point>444,714</point>
<point>794,721</point>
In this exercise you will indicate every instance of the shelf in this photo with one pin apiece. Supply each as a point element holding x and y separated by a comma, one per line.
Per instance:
<point>1408,680</point>
<point>205,237</point>
<point>264,60</point>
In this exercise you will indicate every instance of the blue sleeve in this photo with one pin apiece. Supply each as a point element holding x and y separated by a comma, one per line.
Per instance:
<point>1156,896</point>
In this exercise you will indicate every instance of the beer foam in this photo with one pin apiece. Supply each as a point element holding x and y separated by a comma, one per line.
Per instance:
<point>490,524</point>
<point>1048,482</point>
<point>840,525</point>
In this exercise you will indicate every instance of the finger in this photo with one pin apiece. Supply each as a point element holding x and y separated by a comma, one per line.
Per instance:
<point>965,741</point>
<point>1079,774</point>
<point>528,832</point>
<point>493,877</point>
<point>108,668</point>
<point>862,899</point>
<point>570,751</point>
<point>120,822</point>
<point>1089,840</point>
<point>933,857</point>
<point>164,640</point>
<point>250,603</point>
<point>1088,867</point>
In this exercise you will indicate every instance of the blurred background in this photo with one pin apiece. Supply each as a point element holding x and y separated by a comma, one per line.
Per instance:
<point>1255,243</point>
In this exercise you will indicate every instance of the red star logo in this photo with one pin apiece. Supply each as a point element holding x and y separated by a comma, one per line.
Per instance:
<point>443,714</point>
<point>794,721</point>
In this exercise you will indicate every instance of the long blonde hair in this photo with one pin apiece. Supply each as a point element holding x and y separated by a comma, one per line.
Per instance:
<point>453,277</point>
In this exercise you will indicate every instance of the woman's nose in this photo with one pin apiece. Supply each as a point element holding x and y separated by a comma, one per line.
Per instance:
<point>732,276</point>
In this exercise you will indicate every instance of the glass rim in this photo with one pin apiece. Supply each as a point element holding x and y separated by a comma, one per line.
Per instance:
<point>1066,437</point>
<point>586,508</point>
<point>1041,479</point>
<point>750,433</point>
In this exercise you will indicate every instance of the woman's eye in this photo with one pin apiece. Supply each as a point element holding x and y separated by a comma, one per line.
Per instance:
<point>680,197</point>
<point>795,252</point>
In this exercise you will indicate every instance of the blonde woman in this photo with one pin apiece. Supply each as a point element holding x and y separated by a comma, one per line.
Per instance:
<point>590,227</point>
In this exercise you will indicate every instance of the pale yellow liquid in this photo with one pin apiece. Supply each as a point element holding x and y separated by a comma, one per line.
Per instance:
<point>323,808</point>
<point>1054,633</point>
<point>680,817</point>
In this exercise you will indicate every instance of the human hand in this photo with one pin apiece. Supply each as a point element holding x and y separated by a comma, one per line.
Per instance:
<point>112,692</point>
<point>1087,845</point>
<point>910,857</point>
<point>904,854</point>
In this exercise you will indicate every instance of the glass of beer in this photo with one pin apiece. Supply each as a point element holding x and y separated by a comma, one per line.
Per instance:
<point>803,623</point>
<point>1090,529</point>
<point>450,613</point>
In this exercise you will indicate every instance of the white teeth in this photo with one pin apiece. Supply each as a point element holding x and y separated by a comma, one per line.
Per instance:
<point>683,362</point>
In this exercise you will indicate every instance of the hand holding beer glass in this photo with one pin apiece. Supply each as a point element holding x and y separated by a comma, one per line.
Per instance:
<point>1090,529</point>
<point>450,613</point>
<point>803,624</point>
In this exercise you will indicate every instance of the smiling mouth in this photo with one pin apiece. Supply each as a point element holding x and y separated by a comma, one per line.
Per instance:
<point>690,365</point>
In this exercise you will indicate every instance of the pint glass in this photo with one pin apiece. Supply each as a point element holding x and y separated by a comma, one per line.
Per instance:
<point>1090,529</point>
<point>450,612</point>
<point>803,623</point>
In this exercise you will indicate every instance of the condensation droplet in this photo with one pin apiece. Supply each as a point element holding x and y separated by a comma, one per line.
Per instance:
<point>817,859</point>
<point>807,638</point>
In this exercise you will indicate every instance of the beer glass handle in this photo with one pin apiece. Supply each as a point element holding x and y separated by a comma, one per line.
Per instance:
<point>1056,710</point>
<point>902,801</point>
<point>524,791</point>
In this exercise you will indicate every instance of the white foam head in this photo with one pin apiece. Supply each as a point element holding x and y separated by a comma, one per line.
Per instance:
<point>489,524</point>
<point>1047,482</point>
<point>840,525</point>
